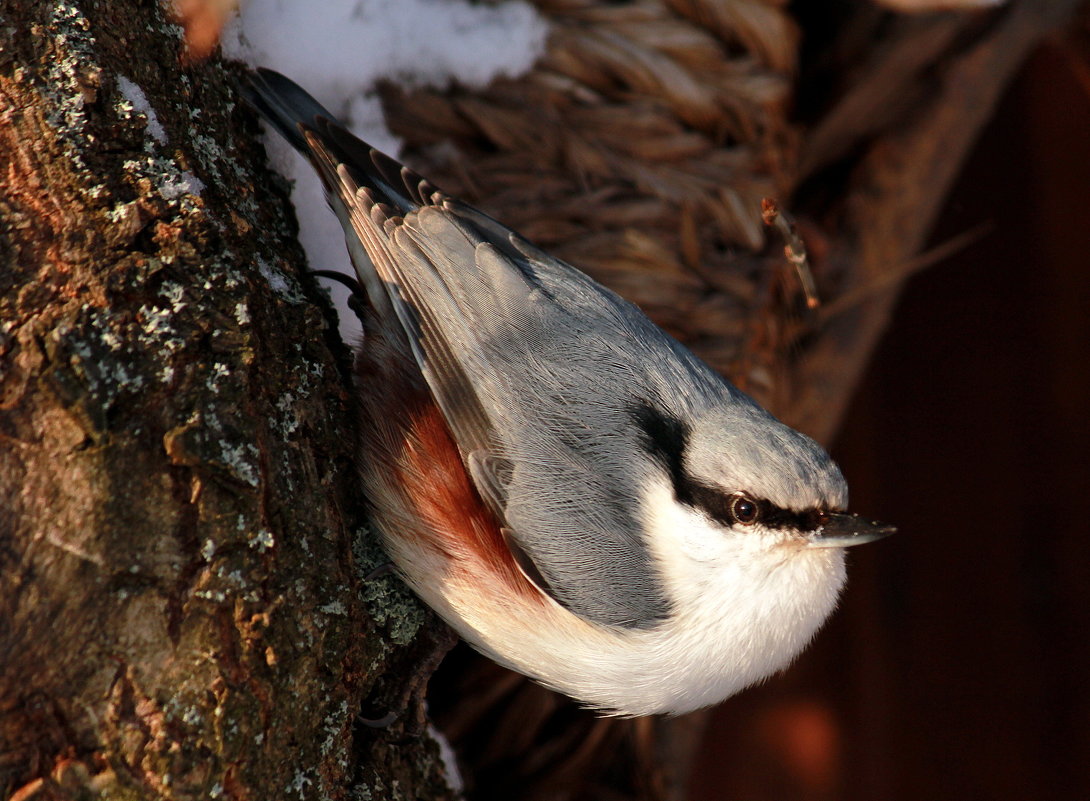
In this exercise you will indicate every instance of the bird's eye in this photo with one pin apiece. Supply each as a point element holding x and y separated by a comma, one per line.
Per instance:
<point>744,509</point>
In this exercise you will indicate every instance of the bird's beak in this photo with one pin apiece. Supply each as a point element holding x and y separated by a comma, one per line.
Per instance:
<point>843,531</point>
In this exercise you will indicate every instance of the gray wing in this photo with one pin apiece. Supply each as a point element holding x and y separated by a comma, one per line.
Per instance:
<point>539,371</point>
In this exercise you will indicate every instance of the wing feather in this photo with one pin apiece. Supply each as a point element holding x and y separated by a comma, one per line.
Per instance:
<point>535,367</point>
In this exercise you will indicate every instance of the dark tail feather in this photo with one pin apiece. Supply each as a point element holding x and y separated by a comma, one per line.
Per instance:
<point>285,104</point>
<point>293,112</point>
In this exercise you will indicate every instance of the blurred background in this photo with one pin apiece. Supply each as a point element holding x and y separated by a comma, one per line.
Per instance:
<point>958,664</point>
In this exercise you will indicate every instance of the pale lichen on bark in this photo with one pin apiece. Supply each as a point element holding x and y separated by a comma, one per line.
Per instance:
<point>180,615</point>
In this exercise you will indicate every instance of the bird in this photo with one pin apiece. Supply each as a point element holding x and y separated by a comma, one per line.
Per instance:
<point>572,490</point>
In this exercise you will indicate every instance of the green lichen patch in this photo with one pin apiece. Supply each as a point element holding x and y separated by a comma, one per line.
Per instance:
<point>390,603</point>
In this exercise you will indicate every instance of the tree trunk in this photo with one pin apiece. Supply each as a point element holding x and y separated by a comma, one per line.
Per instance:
<point>182,544</point>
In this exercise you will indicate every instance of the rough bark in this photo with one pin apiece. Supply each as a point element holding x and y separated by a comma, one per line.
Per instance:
<point>182,613</point>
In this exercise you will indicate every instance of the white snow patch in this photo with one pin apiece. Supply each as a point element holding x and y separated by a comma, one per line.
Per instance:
<point>135,95</point>
<point>449,760</point>
<point>275,278</point>
<point>184,183</point>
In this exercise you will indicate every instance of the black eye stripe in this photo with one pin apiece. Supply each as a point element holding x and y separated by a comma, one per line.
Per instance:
<point>717,505</point>
<point>665,439</point>
<point>810,520</point>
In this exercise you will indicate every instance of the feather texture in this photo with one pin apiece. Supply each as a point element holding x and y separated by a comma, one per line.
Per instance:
<point>550,471</point>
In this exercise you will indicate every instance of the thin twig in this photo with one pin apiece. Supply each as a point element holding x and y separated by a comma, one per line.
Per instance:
<point>794,249</point>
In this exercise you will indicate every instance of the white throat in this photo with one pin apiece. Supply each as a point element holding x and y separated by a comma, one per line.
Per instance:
<point>746,602</point>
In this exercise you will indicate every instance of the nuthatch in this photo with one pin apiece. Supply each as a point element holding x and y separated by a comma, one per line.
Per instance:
<point>572,490</point>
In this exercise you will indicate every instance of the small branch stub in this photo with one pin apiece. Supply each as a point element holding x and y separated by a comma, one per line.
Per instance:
<point>794,249</point>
